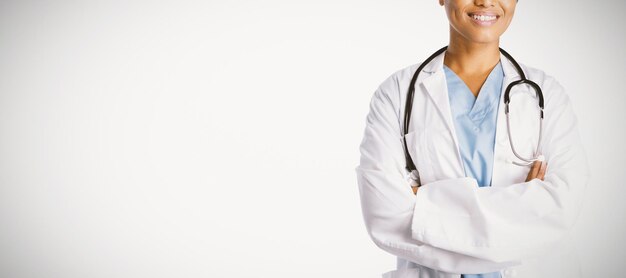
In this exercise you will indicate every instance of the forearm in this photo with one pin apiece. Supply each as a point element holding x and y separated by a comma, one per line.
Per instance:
<point>388,210</point>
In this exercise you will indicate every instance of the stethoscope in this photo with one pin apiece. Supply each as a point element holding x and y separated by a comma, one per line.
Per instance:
<point>410,166</point>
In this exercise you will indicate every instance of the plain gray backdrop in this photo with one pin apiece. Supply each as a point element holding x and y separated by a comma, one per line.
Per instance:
<point>219,139</point>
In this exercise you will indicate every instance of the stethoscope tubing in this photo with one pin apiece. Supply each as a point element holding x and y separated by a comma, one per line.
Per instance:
<point>410,166</point>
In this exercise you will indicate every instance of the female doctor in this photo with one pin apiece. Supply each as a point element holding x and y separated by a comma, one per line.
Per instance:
<point>473,211</point>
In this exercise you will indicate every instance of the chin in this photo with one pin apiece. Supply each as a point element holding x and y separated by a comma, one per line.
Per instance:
<point>486,41</point>
<point>483,38</point>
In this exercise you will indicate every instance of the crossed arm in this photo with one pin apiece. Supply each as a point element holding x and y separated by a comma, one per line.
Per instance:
<point>455,226</point>
<point>537,171</point>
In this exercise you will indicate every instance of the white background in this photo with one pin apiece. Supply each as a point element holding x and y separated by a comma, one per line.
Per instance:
<point>206,139</point>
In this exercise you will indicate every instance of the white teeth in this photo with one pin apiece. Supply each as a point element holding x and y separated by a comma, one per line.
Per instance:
<point>484,17</point>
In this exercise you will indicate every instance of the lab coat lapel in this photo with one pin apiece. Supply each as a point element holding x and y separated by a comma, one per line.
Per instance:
<point>437,89</point>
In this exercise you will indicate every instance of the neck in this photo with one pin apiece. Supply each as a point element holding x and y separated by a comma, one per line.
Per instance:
<point>471,58</point>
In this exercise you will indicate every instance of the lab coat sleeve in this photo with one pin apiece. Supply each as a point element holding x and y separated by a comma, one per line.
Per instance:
<point>511,221</point>
<point>387,199</point>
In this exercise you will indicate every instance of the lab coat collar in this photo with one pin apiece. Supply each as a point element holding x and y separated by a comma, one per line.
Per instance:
<point>436,65</point>
<point>437,89</point>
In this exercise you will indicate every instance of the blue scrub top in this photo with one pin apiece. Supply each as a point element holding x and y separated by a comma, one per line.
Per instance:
<point>475,125</point>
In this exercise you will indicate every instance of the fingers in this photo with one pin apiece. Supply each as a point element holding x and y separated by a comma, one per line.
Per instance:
<point>538,170</point>
<point>534,170</point>
<point>542,170</point>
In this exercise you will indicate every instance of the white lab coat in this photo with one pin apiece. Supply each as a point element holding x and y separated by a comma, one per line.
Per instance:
<point>452,225</point>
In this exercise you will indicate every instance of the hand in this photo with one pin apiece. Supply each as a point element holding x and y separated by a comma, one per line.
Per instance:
<point>538,170</point>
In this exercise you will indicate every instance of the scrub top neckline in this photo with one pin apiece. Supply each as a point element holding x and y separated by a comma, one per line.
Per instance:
<point>479,105</point>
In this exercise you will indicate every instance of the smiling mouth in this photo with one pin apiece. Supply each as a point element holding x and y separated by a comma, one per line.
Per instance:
<point>484,19</point>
